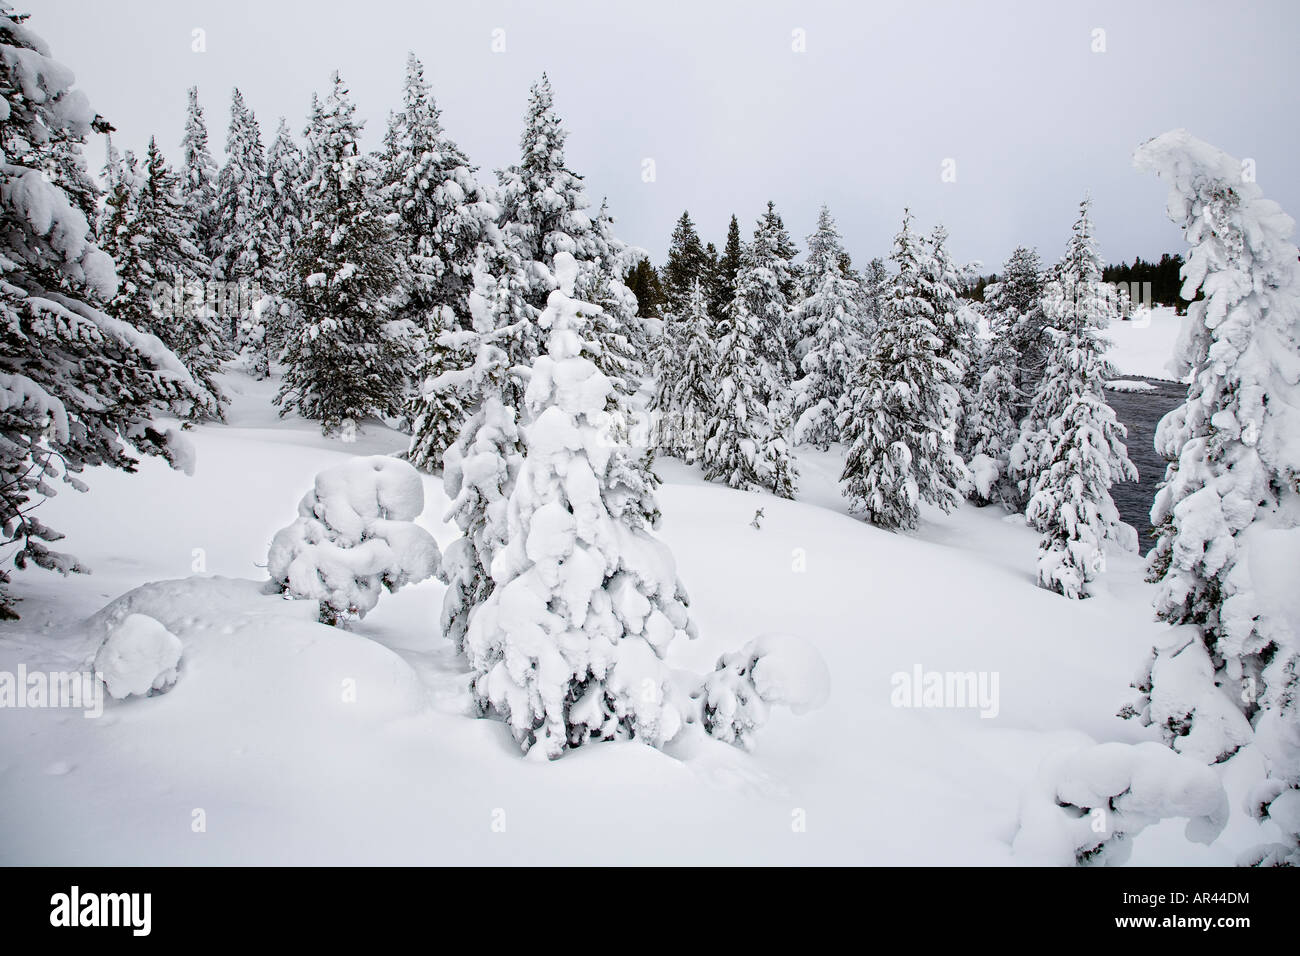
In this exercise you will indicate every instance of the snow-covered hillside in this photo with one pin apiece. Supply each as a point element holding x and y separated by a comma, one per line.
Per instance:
<point>1145,344</point>
<point>285,740</point>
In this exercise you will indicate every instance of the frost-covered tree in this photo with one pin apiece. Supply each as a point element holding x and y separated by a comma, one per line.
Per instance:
<point>767,279</point>
<point>243,246</point>
<point>955,323</point>
<point>569,646</point>
<point>149,232</point>
<point>992,426</point>
<point>355,534</point>
<point>78,387</point>
<point>724,276</point>
<point>344,360</point>
<point>1226,515</point>
<point>199,175</point>
<point>745,447</point>
<point>684,397</point>
<point>686,265</point>
<point>1014,305</point>
<point>828,321</point>
<point>898,420</point>
<point>444,221</point>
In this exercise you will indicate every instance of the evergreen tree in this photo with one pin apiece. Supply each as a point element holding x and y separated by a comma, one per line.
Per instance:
<point>684,396</point>
<point>686,265</point>
<point>284,208</point>
<point>1078,306</point>
<point>992,428</point>
<point>343,361</point>
<point>724,288</point>
<point>569,646</point>
<point>444,222</point>
<point>77,387</point>
<point>1079,452</point>
<point>199,176</point>
<point>148,230</point>
<point>768,276</point>
<point>1015,304</point>
<point>898,418</point>
<point>827,319</point>
<point>1227,508</point>
<point>746,444</point>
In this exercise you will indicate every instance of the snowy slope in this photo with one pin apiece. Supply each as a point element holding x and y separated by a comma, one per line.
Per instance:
<point>1144,345</point>
<point>257,733</point>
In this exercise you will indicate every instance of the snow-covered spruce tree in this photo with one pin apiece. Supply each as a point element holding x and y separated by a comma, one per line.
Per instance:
<point>1076,456</point>
<point>569,646</point>
<point>686,264</point>
<point>77,387</point>
<point>991,427</point>
<point>1014,305</point>
<point>898,419</point>
<point>245,246</point>
<point>724,276</point>
<point>828,321</point>
<point>355,533</point>
<point>148,230</point>
<point>745,447</point>
<point>1229,507</point>
<point>444,218</point>
<point>768,279</point>
<point>685,398</point>
<point>343,361</point>
<point>955,324</point>
<point>1078,308</point>
<point>199,175</point>
<point>542,203</point>
<point>284,207</point>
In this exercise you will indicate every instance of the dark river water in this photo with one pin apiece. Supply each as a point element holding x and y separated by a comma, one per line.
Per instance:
<point>1141,412</point>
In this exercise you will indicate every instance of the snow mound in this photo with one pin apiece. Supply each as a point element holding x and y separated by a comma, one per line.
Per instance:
<point>736,698</point>
<point>354,534</point>
<point>139,657</point>
<point>1087,803</point>
<point>1130,385</point>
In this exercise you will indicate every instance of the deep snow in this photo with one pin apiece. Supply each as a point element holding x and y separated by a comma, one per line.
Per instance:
<point>293,742</point>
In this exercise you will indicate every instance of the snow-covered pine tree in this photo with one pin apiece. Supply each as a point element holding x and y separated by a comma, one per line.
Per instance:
<point>199,175</point>
<point>284,207</point>
<point>344,363</point>
<point>148,230</point>
<point>685,265</point>
<point>1014,304</point>
<point>828,322</point>
<point>444,221</point>
<point>898,417</point>
<point>1227,513</point>
<point>77,386</point>
<point>746,445</point>
<point>244,242</point>
<point>1079,452</point>
<point>956,324</point>
<point>1080,306</point>
<point>768,279</point>
<point>684,397</point>
<point>542,203</point>
<point>569,646</point>
<point>724,277</point>
<point>992,427</point>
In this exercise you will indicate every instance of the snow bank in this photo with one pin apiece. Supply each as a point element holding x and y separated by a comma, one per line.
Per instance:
<point>1088,803</point>
<point>139,657</point>
<point>355,532</point>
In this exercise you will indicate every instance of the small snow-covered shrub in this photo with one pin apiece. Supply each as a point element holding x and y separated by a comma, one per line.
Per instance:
<point>736,698</point>
<point>1087,804</point>
<point>355,533</point>
<point>140,657</point>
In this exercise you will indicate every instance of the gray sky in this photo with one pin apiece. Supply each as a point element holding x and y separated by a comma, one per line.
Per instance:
<point>715,93</point>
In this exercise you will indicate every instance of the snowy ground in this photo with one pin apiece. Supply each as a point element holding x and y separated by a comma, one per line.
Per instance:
<point>256,734</point>
<point>1143,345</point>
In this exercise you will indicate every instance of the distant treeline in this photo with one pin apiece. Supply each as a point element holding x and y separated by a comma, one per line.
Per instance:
<point>1163,276</point>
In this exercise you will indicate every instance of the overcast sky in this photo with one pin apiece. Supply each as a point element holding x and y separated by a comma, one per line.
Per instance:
<point>717,95</point>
